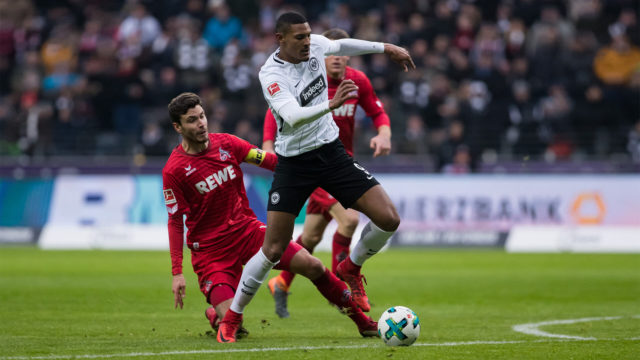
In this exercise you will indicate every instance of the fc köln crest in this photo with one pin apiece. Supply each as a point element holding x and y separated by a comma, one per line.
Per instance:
<point>224,155</point>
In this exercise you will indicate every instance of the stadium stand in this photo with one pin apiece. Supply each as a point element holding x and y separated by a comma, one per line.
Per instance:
<point>499,83</point>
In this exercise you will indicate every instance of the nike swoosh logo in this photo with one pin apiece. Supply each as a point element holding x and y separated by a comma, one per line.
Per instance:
<point>369,177</point>
<point>222,339</point>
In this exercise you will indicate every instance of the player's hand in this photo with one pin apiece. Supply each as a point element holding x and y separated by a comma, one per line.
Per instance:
<point>381,143</point>
<point>346,90</point>
<point>178,288</point>
<point>400,56</point>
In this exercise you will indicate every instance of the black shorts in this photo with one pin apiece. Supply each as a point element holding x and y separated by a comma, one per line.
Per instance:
<point>328,167</point>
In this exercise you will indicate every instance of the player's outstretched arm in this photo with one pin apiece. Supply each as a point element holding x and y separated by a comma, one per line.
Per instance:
<point>400,56</point>
<point>178,287</point>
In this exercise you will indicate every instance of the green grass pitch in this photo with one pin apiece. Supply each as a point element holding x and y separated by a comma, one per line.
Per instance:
<point>118,305</point>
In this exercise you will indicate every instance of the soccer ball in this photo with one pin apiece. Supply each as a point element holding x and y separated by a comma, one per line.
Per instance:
<point>399,326</point>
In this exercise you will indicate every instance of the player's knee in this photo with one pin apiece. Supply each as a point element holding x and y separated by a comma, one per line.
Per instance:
<point>273,252</point>
<point>313,268</point>
<point>350,222</point>
<point>310,241</point>
<point>391,220</point>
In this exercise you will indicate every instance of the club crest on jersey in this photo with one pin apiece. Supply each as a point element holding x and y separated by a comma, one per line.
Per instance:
<point>224,155</point>
<point>313,64</point>
<point>169,198</point>
<point>313,90</point>
<point>273,88</point>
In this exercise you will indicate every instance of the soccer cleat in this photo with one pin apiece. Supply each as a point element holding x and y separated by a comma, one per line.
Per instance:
<point>212,316</point>
<point>354,279</point>
<point>279,291</point>
<point>229,326</point>
<point>370,329</point>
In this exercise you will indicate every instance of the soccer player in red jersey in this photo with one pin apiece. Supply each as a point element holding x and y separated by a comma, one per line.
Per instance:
<point>204,192</point>
<point>323,207</point>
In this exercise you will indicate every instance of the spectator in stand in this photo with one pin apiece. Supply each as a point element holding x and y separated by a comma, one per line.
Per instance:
<point>593,122</point>
<point>139,26</point>
<point>461,163</point>
<point>192,55</point>
<point>615,63</point>
<point>223,26</point>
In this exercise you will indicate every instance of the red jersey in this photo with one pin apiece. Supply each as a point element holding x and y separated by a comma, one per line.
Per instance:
<point>344,116</point>
<point>209,189</point>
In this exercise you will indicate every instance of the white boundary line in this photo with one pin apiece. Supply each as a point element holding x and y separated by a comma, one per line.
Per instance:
<point>533,328</point>
<point>257,350</point>
<point>529,329</point>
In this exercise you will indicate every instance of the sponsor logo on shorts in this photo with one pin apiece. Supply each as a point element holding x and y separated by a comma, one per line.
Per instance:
<point>196,245</point>
<point>169,198</point>
<point>208,285</point>
<point>275,198</point>
<point>314,65</point>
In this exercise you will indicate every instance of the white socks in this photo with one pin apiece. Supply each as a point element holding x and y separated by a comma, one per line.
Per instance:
<point>371,241</point>
<point>253,275</point>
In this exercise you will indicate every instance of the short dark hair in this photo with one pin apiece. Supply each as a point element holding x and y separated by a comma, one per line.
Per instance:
<point>287,19</point>
<point>181,104</point>
<point>335,34</point>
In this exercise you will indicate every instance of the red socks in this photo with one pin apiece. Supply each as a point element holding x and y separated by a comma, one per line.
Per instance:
<point>337,293</point>
<point>339,250</point>
<point>287,276</point>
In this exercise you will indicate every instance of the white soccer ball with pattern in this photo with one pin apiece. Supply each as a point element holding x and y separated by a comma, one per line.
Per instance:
<point>399,326</point>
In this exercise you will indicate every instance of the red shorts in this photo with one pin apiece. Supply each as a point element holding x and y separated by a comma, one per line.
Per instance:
<point>225,267</point>
<point>320,202</point>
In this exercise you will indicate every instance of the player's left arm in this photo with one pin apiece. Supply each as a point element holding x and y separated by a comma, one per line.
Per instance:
<point>264,159</point>
<point>381,143</point>
<point>253,155</point>
<point>354,47</point>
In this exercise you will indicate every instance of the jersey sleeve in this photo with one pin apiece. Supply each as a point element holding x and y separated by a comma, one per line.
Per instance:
<point>244,151</point>
<point>346,47</point>
<point>176,207</point>
<point>240,147</point>
<point>276,90</point>
<point>370,103</point>
<point>269,127</point>
<point>325,44</point>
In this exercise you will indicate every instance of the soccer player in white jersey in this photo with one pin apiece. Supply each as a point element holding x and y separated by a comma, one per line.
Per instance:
<point>310,155</point>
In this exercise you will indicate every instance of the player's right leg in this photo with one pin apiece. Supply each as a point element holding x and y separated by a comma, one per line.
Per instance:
<point>347,220</point>
<point>314,225</point>
<point>334,290</point>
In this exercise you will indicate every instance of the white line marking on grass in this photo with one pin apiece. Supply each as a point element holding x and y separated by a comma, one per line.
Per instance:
<point>256,350</point>
<point>533,328</point>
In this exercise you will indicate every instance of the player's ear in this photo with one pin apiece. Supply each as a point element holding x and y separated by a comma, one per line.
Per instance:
<point>177,126</point>
<point>279,36</point>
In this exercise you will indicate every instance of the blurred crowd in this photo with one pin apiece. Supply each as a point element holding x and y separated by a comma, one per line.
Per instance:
<point>501,79</point>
